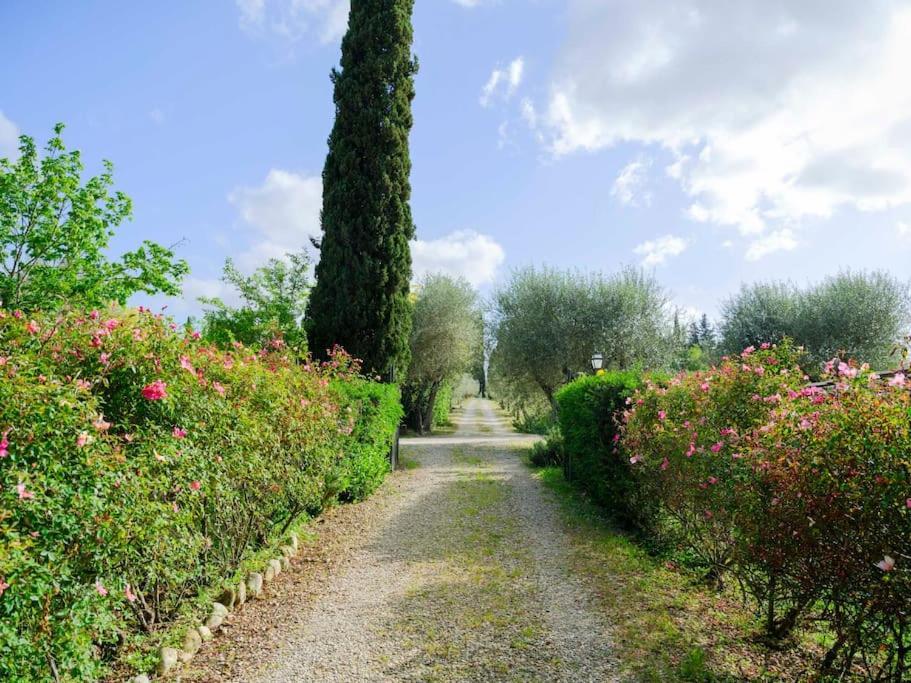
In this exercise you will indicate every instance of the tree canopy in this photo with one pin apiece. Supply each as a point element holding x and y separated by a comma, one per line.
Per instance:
<point>857,315</point>
<point>55,230</point>
<point>274,299</point>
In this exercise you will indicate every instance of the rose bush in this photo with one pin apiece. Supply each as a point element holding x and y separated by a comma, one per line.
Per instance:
<point>139,465</point>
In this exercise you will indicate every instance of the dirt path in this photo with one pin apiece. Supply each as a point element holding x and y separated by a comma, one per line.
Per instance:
<point>456,573</point>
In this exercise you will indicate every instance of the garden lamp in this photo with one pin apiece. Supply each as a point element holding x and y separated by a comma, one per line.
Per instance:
<point>597,361</point>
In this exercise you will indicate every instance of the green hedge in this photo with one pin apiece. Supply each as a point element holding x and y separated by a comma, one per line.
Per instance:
<point>443,405</point>
<point>140,467</point>
<point>589,409</point>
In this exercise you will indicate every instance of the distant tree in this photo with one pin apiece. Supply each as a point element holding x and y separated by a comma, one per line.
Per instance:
<point>274,299</point>
<point>54,230</point>
<point>444,341</point>
<point>360,300</point>
<point>853,315</point>
<point>548,323</point>
<point>761,312</point>
<point>480,354</point>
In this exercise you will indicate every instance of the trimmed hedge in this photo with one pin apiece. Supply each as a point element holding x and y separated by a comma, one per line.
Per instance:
<point>588,412</point>
<point>139,466</point>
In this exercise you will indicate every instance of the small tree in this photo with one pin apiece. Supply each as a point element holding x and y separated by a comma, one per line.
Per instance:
<point>54,230</point>
<point>444,338</point>
<point>274,300</point>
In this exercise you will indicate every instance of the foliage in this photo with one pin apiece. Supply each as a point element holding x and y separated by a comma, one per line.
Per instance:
<point>54,230</point>
<point>851,315</point>
<point>588,412</point>
<point>360,300</point>
<point>548,323</point>
<point>139,465</point>
<point>548,453</point>
<point>274,301</point>
<point>800,493</point>
<point>443,405</point>
<point>444,338</point>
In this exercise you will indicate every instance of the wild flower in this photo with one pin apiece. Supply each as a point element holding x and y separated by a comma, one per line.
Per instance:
<point>179,433</point>
<point>887,564</point>
<point>99,587</point>
<point>4,444</point>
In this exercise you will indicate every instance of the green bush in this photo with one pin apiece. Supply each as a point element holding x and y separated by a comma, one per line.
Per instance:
<point>443,405</point>
<point>588,411</point>
<point>139,466</point>
<point>548,453</point>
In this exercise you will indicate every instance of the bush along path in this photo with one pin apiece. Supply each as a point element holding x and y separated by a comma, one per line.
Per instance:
<point>455,570</point>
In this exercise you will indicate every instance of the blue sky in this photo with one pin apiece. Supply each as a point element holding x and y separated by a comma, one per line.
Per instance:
<point>712,142</point>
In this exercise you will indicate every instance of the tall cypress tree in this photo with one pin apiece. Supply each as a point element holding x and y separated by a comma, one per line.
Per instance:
<point>360,300</point>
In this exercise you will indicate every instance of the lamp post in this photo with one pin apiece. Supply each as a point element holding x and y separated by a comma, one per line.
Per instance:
<point>597,361</point>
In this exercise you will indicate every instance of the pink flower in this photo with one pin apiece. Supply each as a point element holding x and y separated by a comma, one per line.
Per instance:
<point>712,480</point>
<point>692,450</point>
<point>23,493</point>
<point>187,365</point>
<point>616,438</point>
<point>897,380</point>
<point>102,591</point>
<point>3,586</point>
<point>94,315</point>
<point>111,324</point>
<point>101,425</point>
<point>83,439</point>
<point>4,445</point>
<point>104,358</point>
<point>32,327</point>
<point>662,415</point>
<point>765,346</point>
<point>179,433</point>
<point>17,314</point>
<point>228,363</point>
<point>846,370</point>
<point>887,564</point>
<point>705,386</point>
<point>748,351</point>
<point>759,370</point>
<point>665,464</point>
<point>128,592</point>
<point>195,335</point>
<point>908,503</point>
<point>805,424</point>
<point>195,485</point>
<point>219,388</point>
<point>155,391</point>
<point>717,446</point>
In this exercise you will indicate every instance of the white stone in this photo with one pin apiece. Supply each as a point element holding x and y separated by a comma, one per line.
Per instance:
<point>168,658</point>
<point>255,584</point>
<point>205,633</point>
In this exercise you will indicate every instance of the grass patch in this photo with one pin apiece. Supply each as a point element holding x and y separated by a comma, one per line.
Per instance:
<point>407,463</point>
<point>667,627</point>
<point>460,457</point>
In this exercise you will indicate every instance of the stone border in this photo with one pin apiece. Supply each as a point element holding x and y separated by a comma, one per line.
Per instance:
<point>170,658</point>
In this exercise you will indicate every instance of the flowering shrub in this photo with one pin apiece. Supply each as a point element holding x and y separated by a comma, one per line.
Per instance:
<point>802,492</point>
<point>138,465</point>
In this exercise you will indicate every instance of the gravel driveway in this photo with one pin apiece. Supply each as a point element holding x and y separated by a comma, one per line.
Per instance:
<point>457,574</point>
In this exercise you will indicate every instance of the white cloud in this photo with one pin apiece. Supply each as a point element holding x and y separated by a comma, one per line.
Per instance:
<point>157,116</point>
<point>9,138</point>
<point>904,230</point>
<point>294,20</point>
<point>657,251</point>
<point>283,212</point>
<point>464,253</point>
<point>469,3</point>
<point>774,111</point>
<point>629,185</point>
<point>504,80</point>
<point>778,240</point>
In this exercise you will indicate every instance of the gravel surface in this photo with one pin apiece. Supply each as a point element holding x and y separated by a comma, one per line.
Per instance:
<point>456,570</point>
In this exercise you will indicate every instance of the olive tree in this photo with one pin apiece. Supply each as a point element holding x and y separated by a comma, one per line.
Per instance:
<point>547,324</point>
<point>445,336</point>
<point>853,315</point>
